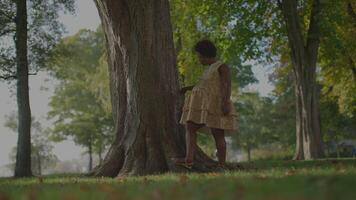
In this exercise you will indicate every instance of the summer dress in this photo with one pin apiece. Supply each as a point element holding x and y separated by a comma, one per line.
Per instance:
<point>203,104</point>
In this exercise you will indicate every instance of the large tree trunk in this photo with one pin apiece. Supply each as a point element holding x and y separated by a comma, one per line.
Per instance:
<point>248,153</point>
<point>304,59</point>
<point>100,154</point>
<point>299,152</point>
<point>144,89</point>
<point>23,155</point>
<point>90,152</point>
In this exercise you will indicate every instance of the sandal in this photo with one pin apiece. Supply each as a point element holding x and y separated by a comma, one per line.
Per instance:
<point>182,162</point>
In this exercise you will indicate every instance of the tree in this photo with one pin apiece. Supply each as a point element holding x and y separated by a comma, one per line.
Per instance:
<point>249,105</point>
<point>144,89</point>
<point>79,105</point>
<point>23,153</point>
<point>337,55</point>
<point>34,28</point>
<point>264,121</point>
<point>283,109</point>
<point>41,149</point>
<point>336,125</point>
<point>304,57</point>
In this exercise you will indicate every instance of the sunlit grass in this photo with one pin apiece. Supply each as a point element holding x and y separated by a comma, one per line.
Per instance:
<point>322,179</point>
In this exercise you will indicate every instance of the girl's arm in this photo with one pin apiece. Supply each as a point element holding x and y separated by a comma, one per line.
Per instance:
<point>185,89</point>
<point>225,84</point>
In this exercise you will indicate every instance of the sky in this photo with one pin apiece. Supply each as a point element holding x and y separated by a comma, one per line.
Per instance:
<point>86,17</point>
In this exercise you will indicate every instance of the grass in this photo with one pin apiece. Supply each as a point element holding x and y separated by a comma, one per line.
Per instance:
<point>321,179</point>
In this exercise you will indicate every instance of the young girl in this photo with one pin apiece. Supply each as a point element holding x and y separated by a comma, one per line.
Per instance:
<point>208,108</point>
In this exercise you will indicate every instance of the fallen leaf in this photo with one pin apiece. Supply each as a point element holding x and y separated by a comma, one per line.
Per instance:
<point>106,188</point>
<point>183,179</point>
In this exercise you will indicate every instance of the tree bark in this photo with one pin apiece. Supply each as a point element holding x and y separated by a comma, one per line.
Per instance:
<point>90,152</point>
<point>144,90</point>
<point>23,155</point>
<point>100,154</point>
<point>299,152</point>
<point>248,154</point>
<point>304,59</point>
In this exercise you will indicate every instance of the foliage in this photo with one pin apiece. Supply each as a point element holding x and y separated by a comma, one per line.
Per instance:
<point>44,31</point>
<point>81,104</point>
<point>336,126</point>
<point>252,129</point>
<point>254,30</point>
<point>338,53</point>
<point>42,156</point>
<point>194,20</point>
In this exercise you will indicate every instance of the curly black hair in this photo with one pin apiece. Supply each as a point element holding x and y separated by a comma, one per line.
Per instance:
<point>206,48</point>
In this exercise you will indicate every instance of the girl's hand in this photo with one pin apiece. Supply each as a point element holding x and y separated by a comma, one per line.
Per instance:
<point>185,89</point>
<point>226,107</point>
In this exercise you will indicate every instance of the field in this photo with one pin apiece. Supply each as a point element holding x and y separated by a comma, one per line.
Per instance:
<point>321,179</point>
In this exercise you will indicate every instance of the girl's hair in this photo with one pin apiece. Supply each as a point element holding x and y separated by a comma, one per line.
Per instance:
<point>206,48</point>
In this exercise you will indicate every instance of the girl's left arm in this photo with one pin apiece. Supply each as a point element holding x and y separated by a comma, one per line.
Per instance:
<point>225,83</point>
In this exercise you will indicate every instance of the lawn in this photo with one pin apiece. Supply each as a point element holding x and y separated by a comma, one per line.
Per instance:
<point>321,179</point>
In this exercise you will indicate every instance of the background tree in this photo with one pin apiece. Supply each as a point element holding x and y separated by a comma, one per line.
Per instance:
<point>80,105</point>
<point>41,148</point>
<point>250,127</point>
<point>337,55</point>
<point>35,28</point>
<point>336,126</point>
<point>304,55</point>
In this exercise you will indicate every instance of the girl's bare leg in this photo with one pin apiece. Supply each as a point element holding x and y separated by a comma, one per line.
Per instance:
<point>220,144</point>
<point>191,139</point>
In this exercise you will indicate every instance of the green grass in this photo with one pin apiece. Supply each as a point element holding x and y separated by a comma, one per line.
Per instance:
<point>321,179</point>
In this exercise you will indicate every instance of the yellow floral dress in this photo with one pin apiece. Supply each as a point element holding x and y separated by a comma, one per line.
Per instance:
<point>203,104</point>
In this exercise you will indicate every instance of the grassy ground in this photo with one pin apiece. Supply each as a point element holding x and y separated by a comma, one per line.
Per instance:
<point>322,179</point>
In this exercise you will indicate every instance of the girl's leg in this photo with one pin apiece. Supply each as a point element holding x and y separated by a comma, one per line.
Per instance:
<point>191,139</point>
<point>220,144</point>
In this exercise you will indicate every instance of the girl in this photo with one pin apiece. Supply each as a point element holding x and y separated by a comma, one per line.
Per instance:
<point>208,108</point>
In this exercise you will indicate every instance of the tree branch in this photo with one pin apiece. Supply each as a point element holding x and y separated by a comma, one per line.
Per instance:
<point>351,11</point>
<point>6,31</point>
<point>6,15</point>
<point>7,70</point>
<point>352,66</point>
<point>279,3</point>
<point>8,77</point>
<point>314,32</point>
<point>295,37</point>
